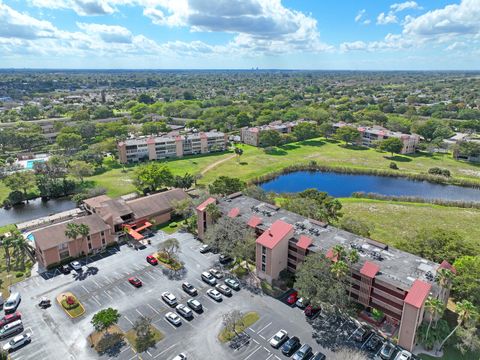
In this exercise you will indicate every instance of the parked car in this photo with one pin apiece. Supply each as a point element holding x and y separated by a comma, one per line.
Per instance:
<point>17,342</point>
<point>304,353</point>
<point>208,278</point>
<point>13,328</point>
<point>215,272</point>
<point>75,265</point>
<point>301,303</point>
<point>169,298</point>
<point>404,355</point>
<point>7,319</point>
<point>225,259</point>
<point>234,284</point>
<point>374,343</point>
<point>65,269</point>
<point>214,294</point>
<point>292,298</point>
<point>173,318</point>
<point>180,356</point>
<point>189,289</point>
<point>224,289</point>
<point>319,356</point>
<point>195,305</point>
<point>204,249</point>
<point>387,351</point>
<point>361,334</point>
<point>311,311</point>
<point>135,281</point>
<point>291,346</point>
<point>278,339</point>
<point>12,303</point>
<point>152,260</point>
<point>184,311</point>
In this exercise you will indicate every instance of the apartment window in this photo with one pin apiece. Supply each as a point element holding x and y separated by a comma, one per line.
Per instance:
<point>104,241</point>
<point>88,237</point>
<point>264,250</point>
<point>263,267</point>
<point>63,251</point>
<point>264,258</point>
<point>89,246</point>
<point>102,233</point>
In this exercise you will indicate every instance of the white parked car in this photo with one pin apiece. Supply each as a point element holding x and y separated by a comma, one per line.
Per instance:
<point>224,289</point>
<point>214,294</point>
<point>17,341</point>
<point>217,273</point>
<point>278,339</point>
<point>403,355</point>
<point>301,303</point>
<point>75,265</point>
<point>181,356</point>
<point>184,311</point>
<point>173,318</point>
<point>169,298</point>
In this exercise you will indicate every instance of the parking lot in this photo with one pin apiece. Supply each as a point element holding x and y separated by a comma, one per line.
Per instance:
<point>104,284</point>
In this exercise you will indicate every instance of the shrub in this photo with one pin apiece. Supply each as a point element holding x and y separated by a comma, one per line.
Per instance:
<point>19,274</point>
<point>393,165</point>
<point>439,171</point>
<point>70,302</point>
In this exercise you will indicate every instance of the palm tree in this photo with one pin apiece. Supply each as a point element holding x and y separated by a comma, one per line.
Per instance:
<point>352,258</point>
<point>339,269</point>
<point>434,307</point>
<point>84,231</point>
<point>444,279</point>
<point>19,244</point>
<point>466,311</point>
<point>339,252</point>
<point>7,243</point>
<point>72,231</point>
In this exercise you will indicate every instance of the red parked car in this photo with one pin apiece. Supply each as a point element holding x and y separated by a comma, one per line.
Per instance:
<point>292,298</point>
<point>7,319</point>
<point>152,260</point>
<point>135,281</point>
<point>311,311</point>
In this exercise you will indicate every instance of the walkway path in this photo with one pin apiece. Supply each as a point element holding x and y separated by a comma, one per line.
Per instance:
<point>211,166</point>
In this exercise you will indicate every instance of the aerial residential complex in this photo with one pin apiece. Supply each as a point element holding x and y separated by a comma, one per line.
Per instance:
<point>392,281</point>
<point>107,219</point>
<point>251,135</point>
<point>170,145</point>
<point>371,134</point>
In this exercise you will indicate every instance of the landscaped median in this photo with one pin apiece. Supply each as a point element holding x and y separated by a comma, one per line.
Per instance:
<point>140,345</point>
<point>239,323</point>
<point>168,261</point>
<point>70,305</point>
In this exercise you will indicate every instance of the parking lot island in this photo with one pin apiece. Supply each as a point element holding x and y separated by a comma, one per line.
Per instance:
<point>71,305</point>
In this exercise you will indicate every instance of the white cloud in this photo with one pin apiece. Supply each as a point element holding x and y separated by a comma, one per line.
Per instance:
<point>404,6</point>
<point>81,7</point>
<point>360,15</point>
<point>108,33</point>
<point>383,19</point>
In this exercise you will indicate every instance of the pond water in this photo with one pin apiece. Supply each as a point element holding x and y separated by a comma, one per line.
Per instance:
<point>34,209</point>
<point>343,185</point>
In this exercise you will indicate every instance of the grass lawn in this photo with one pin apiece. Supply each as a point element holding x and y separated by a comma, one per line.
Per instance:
<point>14,276</point>
<point>4,191</point>
<point>255,162</point>
<point>452,353</point>
<point>248,319</point>
<point>95,337</point>
<point>169,227</point>
<point>409,217</point>
<point>131,336</point>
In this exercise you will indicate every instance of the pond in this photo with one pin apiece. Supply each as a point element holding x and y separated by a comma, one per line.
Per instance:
<point>34,209</point>
<point>343,185</point>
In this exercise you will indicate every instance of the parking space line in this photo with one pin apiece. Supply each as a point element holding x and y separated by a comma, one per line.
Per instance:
<point>169,323</point>
<point>138,311</point>
<point>367,340</point>
<point>266,326</point>
<point>266,349</point>
<point>151,307</point>
<point>150,275</point>
<point>96,283</point>
<point>353,332</point>
<point>164,351</point>
<point>269,356</point>
<point>110,296</point>
<point>84,288</point>
<point>251,354</point>
<point>97,301</point>
<point>126,348</point>
<point>130,321</point>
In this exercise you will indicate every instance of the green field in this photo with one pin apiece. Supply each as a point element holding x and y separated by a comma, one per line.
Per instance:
<point>407,218</point>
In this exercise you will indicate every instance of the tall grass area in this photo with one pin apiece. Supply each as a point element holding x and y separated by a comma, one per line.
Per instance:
<point>395,221</point>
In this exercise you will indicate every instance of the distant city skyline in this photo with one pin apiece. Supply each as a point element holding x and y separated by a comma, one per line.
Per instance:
<point>240,34</point>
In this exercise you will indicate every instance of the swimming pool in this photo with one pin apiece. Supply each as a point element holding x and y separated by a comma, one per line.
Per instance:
<point>29,164</point>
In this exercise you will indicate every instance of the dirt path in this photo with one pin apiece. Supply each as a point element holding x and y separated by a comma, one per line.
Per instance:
<point>211,166</point>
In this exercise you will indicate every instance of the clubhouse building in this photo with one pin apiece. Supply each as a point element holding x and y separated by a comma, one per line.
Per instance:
<point>387,279</point>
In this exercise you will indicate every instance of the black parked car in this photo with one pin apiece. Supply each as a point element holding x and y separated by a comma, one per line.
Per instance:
<point>292,345</point>
<point>189,289</point>
<point>361,334</point>
<point>319,356</point>
<point>65,269</point>
<point>374,343</point>
<point>225,259</point>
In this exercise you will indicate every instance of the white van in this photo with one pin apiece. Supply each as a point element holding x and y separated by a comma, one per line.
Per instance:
<point>13,328</point>
<point>12,303</point>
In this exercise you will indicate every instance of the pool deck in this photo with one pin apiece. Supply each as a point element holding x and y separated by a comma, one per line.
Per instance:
<point>46,220</point>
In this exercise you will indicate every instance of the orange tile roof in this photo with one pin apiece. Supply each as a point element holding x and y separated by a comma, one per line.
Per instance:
<point>207,202</point>
<point>446,265</point>
<point>234,212</point>
<point>274,234</point>
<point>254,221</point>
<point>369,269</point>
<point>418,293</point>
<point>304,242</point>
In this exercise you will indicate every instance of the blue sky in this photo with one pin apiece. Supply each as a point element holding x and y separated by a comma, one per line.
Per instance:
<point>199,34</point>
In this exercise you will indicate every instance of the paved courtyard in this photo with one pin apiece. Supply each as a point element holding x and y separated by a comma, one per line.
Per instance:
<point>104,284</point>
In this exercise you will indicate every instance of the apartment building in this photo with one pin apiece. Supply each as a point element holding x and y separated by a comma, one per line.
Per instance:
<point>392,281</point>
<point>370,135</point>
<point>108,219</point>
<point>168,146</point>
<point>251,135</point>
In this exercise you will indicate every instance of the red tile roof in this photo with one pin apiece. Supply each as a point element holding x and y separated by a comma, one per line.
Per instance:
<point>274,234</point>
<point>234,212</point>
<point>330,256</point>
<point>304,242</point>
<point>369,269</point>
<point>446,265</point>
<point>254,221</point>
<point>418,293</point>
<point>207,202</point>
